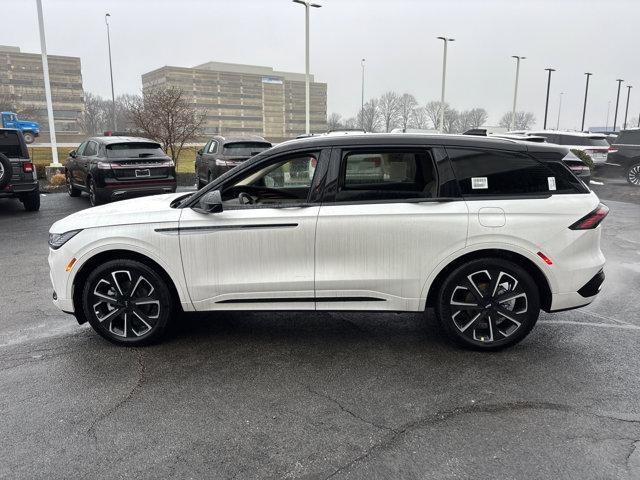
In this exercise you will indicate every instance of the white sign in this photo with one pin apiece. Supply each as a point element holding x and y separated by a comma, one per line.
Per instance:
<point>478,183</point>
<point>552,183</point>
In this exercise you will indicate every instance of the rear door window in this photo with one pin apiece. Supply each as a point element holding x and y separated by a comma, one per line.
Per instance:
<point>379,175</point>
<point>499,173</point>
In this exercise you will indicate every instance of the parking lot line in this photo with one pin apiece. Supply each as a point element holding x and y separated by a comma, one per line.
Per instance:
<point>625,326</point>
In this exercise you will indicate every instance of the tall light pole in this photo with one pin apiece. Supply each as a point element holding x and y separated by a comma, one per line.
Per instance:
<point>362,97</point>
<point>515,91</point>
<point>626,111</point>
<point>584,108</point>
<point>546,105</point>
<point>559,110</point>
<point>615,115</point>
<point>47,87</point>
<point>113,96</point>
<point>606,125</point>
<point>445,41</point>
<point>306,4</point>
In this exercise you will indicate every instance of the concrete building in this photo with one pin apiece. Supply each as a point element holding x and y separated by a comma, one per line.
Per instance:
<point>247,99</point>
<point>22,82</point>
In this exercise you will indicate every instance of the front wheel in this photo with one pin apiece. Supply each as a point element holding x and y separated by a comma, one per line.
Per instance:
<point>633,175</point>
<point>71,189</point>
<point>127,302</point>
<point>488,304</point>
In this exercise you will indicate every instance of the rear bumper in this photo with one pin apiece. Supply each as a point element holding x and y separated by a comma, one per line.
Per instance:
<point>122,190</point>
<point>584,296</point>
<point>16,189</point>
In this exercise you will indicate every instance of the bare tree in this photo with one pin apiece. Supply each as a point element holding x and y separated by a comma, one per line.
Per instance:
<point>474,118</point>
<point>420,119</point>
<point>406,107</point>
<point>369,116</point>
<point>164,115</point>
<point>334,122</point>
<point>10,102</point>
<point>351,123</point>
<point>451,121</point>
<point>389,107</point>
<point>92,120</point>
<point>523,120</point>
<point>432,110</point>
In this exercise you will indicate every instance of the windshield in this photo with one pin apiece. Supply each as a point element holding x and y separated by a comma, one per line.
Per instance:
<point>245,149</point>
<point>134,150</point>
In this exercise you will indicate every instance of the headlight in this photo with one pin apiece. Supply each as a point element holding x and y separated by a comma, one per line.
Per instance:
<point>221,163</point>
<point>104,165</point>
<point>56,240</point>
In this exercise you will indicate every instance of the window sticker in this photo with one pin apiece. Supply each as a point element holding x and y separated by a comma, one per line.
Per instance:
<point>478,183</point>
<point>552,183</point>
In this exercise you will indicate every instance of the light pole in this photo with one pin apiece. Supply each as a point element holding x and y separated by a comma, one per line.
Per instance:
<point>445,41</point>
<point>113,96</point>
<point>362,97</point>
<point>546,105</point>
<point>584,108</point>
<point>606,125</point>
<point>626,111</point>
<point>615,115</point>
<point>559,110</point>
<point>47,88</point>
<point>515,91</point>
<point>306,4</point>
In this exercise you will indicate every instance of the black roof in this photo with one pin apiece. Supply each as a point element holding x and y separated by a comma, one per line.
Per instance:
<point>417,139</point>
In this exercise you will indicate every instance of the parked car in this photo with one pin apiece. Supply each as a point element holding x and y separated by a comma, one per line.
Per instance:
<point>486,231</point>
<point>625,155</point>
<point>221,154</point>
<point>575,164</point>
<point>30,130</point>
<point>18,177</point>
<point>114,168</point>
<point>594,144</point>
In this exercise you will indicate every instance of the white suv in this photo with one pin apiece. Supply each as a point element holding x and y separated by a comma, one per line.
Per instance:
<point>485,231</point>
<point>594,144</point>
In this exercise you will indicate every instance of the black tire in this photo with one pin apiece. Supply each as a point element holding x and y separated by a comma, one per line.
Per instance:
<point>71,189</point>
<point>31,201</point>
<point>633,175</point>
<point>492,280</point>
<point>28,137</point>
<point>6,171</point>
<point>95,196</point>
<point>141,304</point>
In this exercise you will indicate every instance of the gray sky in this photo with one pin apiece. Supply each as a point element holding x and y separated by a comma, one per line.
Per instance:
<point>396,37</point>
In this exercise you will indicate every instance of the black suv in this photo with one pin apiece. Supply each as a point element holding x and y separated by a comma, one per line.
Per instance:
<point>624,153</point>
<point>113,168</point>
<point>17,174</point>
<point>223,153</point>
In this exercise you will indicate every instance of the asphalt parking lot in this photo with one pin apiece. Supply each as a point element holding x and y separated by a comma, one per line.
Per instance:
<point>316,395</point>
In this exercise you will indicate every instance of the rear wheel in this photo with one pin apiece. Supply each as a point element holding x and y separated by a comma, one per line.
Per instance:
<point>95,197</point>
<point>633,175</point>
<point>488,304</point>
<point>28,137</point>
<point>127,302</point>
<point>31,201</point>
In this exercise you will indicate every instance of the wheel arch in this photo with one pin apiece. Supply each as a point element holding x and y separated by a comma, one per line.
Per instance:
<point>120,254</point>
<point>541,280</point>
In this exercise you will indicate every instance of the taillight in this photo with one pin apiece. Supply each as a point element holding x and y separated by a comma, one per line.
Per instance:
<point>612,150</point>
<point>592,219</point>
<point>27,167</point>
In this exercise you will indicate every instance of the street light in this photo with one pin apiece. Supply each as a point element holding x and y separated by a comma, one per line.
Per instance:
<point>445,41</point>
<point>515,92</point>
<point>615,115</point>
<point>626,111</point>
<point>606,125</point>
<point>546,105</point>
<point>362,97</point>
<point>113,96</point>
<point>306,4</point>
<point>584,109</point>
<point>559,110</point>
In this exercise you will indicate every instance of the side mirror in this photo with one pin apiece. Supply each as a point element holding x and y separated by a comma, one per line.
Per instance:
<point>72,154</point>
<point>199,152</point>
<point>211,202</point>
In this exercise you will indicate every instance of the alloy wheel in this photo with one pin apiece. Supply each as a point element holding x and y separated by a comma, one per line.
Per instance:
<point>125,303</point>
<point>633,175</point>
<point>488,305</point>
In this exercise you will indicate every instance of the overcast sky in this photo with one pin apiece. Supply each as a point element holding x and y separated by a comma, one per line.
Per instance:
<point>397,38</point>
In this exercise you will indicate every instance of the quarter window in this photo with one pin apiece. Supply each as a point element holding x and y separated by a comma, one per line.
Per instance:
<point>212,147</point>
<point>91,149</point>
<point>379,175</point>
<point>490,172</point>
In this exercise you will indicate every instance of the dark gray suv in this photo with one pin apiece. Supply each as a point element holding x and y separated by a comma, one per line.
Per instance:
<point>221,154</point>
<point>18,177</point>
